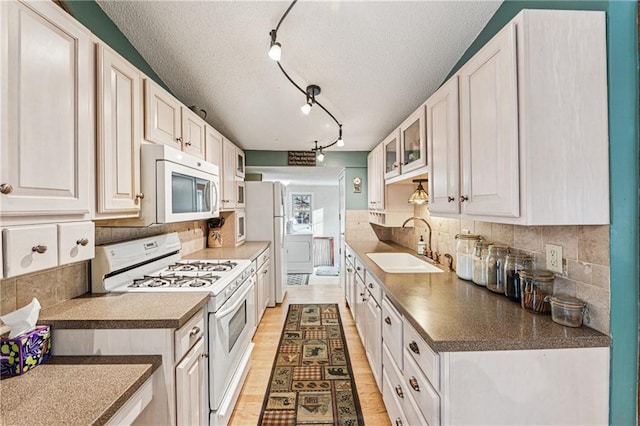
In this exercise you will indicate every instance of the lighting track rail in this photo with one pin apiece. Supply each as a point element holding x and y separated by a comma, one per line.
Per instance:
<point>275,53</point>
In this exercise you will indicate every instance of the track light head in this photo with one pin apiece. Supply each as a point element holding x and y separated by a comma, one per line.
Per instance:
<point>340,141</point>
<point>320,156</point>
<point>275,50</point>
<point>306,108</point>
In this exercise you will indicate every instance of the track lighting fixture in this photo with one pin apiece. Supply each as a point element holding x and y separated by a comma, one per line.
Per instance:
<point>419,196</point>
<point>275,52</point>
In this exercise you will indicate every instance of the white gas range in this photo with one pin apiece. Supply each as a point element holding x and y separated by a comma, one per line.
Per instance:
<point>154,264</point>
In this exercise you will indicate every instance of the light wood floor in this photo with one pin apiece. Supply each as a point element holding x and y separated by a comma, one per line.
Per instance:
<point>247,410</point>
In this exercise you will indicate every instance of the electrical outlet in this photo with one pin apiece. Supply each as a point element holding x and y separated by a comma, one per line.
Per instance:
<point>554,258</point>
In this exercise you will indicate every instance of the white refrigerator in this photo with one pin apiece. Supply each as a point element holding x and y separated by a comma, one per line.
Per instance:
<point>265,221</point>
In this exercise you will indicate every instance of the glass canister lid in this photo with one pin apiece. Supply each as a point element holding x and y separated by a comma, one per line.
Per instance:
<point>468,237</point>
<point>537,274</point>
<point>567,301</point>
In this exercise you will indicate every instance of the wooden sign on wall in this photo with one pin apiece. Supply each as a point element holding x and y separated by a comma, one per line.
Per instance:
<point>301,158</point>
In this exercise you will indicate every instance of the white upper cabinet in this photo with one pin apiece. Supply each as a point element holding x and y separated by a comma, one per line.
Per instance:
<point>413,146</point>
<point>213,140</point>
<point>162,122</point>
<point>239,163</point>
<point>392,154</point>
<point>167,121</point>
<point>47,113</point>
<point>119,133</point>
<point>228,175</point>
<point>489,129</point>
<point>193,133</point>
<point>443,148</point>
<point>534,146</point>
<point>375,177</point>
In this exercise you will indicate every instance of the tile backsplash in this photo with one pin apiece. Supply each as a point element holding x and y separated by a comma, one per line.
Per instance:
<point>56,285</point>
<point>585,251</point>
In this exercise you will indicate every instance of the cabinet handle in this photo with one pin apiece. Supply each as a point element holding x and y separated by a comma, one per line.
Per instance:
<point>265,271</point>
<point>194,331</point>
<point>139,196</point>
<point>205,354</point>
<point>362,295</point>
<point>387,320</point>
<point>450,199</point>
<point>414,348</point>
<point>414,384</point>
<point>358,268</point>
<point>349,270</point>
<point>179,139</point>
<point>370,285</point>
<point>463,198</point>
<point>187,143</point>
<point>6,188</point>
<point>399,391</point>
<point>399,422</point>
<point>82,242</point>
<point>40,248</point>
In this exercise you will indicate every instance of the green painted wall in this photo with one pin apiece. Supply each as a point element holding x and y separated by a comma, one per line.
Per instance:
<point>337,159</point>
<point>91,16</point>
<point>355,200</point>
<point>622,36</point>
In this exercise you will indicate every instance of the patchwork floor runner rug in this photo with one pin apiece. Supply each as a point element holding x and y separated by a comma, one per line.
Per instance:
<point>311,380</point>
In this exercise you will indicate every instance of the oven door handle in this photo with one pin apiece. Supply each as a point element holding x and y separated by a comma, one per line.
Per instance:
<point>241,299</point>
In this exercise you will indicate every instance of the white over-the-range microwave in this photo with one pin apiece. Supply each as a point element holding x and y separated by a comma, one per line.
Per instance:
<point>177,187</point>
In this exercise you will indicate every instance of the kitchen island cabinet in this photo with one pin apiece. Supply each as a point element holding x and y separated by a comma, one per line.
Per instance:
<point>470,356</point>
<point>167,324</point>
<point>96,390</point>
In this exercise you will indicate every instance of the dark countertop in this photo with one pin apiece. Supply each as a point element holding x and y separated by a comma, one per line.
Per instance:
<point>249,250</point>
<point>74,390</point>
<point>454,315</point>
<point>124,310</point>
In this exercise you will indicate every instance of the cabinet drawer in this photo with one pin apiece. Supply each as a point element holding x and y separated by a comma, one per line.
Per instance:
<point>416,384</point>
<point>29,249</point>
<point>187,335</point>
<point>417,349</point>
<point>397,391</point>
<point>393,407</point>
<point>392,331</point>
<point>375,288</point>
<point>262,258</point>
<point>76,242</point>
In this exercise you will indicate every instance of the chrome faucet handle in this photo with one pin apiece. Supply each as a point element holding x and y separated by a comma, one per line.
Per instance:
<point>449,262</point>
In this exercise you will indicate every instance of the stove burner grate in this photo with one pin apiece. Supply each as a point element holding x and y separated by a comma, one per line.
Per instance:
<point>173,280</point>
<point>188,266</point>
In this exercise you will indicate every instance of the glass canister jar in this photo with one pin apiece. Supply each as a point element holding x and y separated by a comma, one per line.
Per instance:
<point>479,272</point>
<point>464,255</point>
<point>496,255</point>
<point>535,286</point>
<point>513,264</point>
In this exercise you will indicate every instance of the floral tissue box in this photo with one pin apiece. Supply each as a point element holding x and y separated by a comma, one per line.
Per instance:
<point>24,352</point>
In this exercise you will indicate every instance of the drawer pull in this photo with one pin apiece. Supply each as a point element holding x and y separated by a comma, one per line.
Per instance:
<point>358,268</point>
<point>414,384</point>
<point>370,285</point>
<point>39,248</point>
<point>205,354</point>
<point>463,199</point>
<point>399,422</point>
<point>399,391</point>
<point>194,331</point>
<point>139,196</point>
<point>6,188</point>
<point>387,320</point>
<point>414,348</point>
<point>82,242</point>
<point>450,199</point>
<point>349,270</point>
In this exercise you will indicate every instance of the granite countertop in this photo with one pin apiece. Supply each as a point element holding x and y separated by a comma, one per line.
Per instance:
<point>125,310</point>
<point>249,250</point>
<point>74,390</point>
<point>455,315</point>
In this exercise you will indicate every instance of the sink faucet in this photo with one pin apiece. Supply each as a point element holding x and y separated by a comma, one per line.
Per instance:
<point>428,253</point>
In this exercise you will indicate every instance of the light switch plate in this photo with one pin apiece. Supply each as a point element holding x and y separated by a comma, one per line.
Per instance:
<point>554,258</point>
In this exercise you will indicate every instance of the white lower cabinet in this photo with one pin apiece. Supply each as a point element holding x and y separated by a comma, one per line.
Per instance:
<point>179,385</point>
<point>263,284</point>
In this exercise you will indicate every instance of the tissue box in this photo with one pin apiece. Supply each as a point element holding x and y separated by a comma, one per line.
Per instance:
<point>24,352</point>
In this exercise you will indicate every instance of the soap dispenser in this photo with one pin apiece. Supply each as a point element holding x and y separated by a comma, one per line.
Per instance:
<point>421,245</point>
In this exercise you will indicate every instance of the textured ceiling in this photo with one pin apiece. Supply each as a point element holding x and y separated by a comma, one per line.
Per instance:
<point>375,62</point>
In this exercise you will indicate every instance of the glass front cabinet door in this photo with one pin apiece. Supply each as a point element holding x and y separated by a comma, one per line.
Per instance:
<point>413,142</point>
<point>392,154</point>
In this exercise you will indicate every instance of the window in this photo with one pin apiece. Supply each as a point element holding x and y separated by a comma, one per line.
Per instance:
<point>301,208</point>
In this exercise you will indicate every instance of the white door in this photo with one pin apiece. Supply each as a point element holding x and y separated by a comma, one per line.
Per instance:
<point>47,110</point>
<point>119,133</point>
<point>489,129</point>
<point>443,147</point>
<point>191,390</point>
<point>161,116</point>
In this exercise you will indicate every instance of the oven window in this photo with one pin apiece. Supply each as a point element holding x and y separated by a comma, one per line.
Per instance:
<point>237,325</point>
<point>189,194</point>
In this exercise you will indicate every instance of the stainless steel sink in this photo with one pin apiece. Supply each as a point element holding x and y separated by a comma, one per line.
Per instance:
<point>402,263</point>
